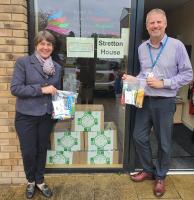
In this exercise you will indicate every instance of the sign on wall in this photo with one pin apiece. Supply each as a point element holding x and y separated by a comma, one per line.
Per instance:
<point>110,48</point>
<point>80,47</point>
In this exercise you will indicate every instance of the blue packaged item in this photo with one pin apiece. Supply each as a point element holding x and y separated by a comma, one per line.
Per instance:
<point>64,104</point>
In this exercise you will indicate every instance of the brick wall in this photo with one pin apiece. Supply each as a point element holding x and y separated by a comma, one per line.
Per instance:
<point>13,44</point>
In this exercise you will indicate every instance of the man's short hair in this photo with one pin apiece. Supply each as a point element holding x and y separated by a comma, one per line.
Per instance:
<point>156,10</point>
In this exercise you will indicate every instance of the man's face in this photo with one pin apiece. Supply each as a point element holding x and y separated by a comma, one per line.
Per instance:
<point>156,25</point>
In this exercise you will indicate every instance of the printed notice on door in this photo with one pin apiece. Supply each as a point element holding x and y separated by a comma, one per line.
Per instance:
<point>125,37</point>
<point>110,48</point>
<point>80,47</point>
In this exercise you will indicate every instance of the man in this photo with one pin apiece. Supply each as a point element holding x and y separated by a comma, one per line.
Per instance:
<point>87,79</point>
<point>166,67</point>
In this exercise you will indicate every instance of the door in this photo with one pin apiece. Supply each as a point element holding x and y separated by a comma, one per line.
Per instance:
<point>180,26</point>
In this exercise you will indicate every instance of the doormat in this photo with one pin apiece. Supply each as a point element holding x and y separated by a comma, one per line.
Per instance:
<point>184,137</point>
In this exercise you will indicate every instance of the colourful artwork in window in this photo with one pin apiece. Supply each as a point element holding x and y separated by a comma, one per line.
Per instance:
<point>57,22</point>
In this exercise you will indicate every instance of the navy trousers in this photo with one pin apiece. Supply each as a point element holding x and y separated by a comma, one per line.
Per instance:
<point>34,134</point>
<point>157,113</point>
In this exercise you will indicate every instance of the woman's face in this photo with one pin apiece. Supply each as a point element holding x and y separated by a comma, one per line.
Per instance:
<point>44,49</point>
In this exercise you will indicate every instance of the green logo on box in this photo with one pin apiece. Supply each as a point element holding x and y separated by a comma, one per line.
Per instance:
<point>87,121</point>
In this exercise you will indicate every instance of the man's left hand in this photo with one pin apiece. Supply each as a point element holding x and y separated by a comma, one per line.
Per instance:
<point>154,83</point>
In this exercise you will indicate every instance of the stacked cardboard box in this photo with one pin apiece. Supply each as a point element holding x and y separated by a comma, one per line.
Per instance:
<point>67,148</point>
<point>101,147</point>
<point>102,140</point>
<point>102,157</point>
<point>88,118</point>
<point>87,140</point>
<point>62,157</point>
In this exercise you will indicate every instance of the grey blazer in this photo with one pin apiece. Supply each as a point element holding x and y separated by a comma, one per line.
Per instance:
<point>28,78</point>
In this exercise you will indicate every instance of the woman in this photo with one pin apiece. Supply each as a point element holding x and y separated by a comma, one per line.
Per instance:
<point>35,79</point>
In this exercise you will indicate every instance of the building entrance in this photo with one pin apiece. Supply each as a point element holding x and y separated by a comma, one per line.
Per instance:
<point>180,26</point>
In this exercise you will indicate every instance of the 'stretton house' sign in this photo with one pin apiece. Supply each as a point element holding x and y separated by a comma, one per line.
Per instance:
<point>110,48</point>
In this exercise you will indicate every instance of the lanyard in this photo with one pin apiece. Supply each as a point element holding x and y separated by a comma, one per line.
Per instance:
<point>159,53</point>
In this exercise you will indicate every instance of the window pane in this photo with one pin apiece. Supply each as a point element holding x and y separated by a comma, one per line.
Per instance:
<point>92,47</point>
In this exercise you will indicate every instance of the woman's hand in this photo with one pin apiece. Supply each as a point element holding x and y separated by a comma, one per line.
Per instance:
<point>49,90</point>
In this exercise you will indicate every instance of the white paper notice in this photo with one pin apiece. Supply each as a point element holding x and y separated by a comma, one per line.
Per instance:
<point>110,48</point>
<point>80,47</point>
<point>125,37</point>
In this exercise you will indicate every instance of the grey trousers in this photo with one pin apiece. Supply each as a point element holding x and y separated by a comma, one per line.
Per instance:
<point>157,113</point>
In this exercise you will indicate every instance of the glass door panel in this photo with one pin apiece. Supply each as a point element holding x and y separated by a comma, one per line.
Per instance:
<point>92,38</point>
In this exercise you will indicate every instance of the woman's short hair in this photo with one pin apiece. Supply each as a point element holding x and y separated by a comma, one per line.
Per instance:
<point>44,35</point>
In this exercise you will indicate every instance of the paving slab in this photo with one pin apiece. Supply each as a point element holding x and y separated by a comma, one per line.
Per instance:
<point>74,188</point>
<point>104,187</point>
<point>184,185</point>
<point>6,192</point>
<point>114,187</point>
<point>144,190</point>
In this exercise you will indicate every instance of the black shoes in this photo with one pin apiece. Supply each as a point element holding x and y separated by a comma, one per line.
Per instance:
<point>45,190</point>
<point>30,190</point>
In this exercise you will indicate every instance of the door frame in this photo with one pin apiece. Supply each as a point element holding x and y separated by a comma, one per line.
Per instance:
<point>130,166</point>
<point>133,69</point>
<point>136,21</point>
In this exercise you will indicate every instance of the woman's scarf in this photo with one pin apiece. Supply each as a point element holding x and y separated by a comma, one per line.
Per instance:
<point>47,64</point>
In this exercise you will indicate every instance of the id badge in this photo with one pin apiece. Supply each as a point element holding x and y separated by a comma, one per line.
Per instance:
<point>150,75</point>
